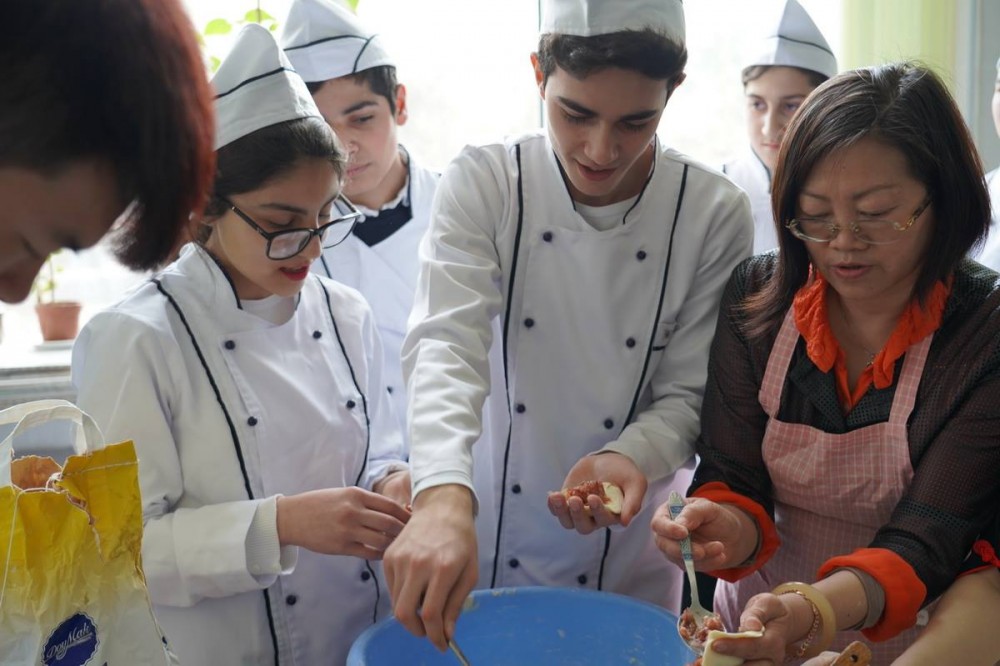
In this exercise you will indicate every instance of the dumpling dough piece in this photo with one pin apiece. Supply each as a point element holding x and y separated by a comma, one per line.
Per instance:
<point>713,658</point>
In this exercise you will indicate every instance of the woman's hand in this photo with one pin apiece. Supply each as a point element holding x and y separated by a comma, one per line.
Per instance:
<point>722,536</point>
<point>611,467</point>
<point>775,617</point>
<point>340,521</point>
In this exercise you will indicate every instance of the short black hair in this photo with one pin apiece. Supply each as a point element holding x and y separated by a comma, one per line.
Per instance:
<point>647,52</point>
<point>381,80</point>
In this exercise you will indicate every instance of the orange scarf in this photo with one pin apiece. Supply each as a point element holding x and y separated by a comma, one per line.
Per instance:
<point>825,352</point>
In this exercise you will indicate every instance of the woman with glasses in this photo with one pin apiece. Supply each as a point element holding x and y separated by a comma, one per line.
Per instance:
<point>850,429</point>
<point>270,464</point>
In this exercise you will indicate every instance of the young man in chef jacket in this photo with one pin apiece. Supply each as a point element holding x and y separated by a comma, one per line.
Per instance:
<point>353,80</point>
<point>780,72</point>
<point>593,258</point>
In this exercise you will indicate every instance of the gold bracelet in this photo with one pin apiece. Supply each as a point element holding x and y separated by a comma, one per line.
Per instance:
<point>823,616</point>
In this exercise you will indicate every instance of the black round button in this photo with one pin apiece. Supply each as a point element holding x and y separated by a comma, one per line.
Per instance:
<point>609,424</point>
<point>252,421</point>
<point>230,344</point>
<point>640,255</point>
<point>547,237</point>
<point>291,600</point>
<point>582,579</point>
<point>514,563</point>
<point>630,343</point>
<point>317,335</point>
<point>365,575</point>
<point>516,489</point>
<point>388,389</point>
<point>529,322</point>
<point>519,408</point>
<point>351,404</point>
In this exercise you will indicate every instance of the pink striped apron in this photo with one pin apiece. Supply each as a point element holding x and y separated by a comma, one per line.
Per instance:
<point>831,492</point>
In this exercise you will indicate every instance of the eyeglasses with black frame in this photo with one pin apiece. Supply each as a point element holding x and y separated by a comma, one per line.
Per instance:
<point>287,243</point>
<point>872,232</point>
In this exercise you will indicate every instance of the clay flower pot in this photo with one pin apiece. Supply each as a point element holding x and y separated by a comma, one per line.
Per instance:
<point>59,320</point>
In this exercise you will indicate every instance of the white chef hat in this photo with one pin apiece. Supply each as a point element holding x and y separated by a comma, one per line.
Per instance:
<point>795,41</point>
<point>256,86</point>
<point>599,17</point>
<point>324,41</point>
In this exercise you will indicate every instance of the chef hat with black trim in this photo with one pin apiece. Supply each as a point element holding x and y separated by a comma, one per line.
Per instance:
<point>586,18</point>
<point>794,41</point>
<point>324,41</point>
<point>256,87</point>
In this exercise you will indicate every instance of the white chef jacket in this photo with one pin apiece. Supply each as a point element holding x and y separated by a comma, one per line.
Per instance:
<point>603,340</point>
<point>386,275</point>
<point>990,254</point>
<point>750,173</point>
<point>228,410</point>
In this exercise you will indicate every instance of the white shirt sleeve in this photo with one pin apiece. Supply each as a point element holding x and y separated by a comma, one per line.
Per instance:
<point>446,353</point>
<point>266,558</point>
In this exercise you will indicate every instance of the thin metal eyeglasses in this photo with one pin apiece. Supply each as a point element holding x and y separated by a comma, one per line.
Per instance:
<point>287,243</point>
<point>872,232</point>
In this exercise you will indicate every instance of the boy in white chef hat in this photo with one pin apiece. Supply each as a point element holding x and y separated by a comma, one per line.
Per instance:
<point>593,259</point>
<point>780,71</point>
<point>252,389</point>
<point>353,80</point>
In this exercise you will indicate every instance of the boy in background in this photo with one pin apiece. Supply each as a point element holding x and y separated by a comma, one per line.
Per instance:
<point>353,81</point>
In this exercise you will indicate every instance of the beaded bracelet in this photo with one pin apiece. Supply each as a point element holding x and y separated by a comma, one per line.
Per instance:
<point>823,616</point>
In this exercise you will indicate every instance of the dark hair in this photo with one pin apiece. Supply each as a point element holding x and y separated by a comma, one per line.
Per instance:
<point>115,80</point>
<point>648,52</point>
<point>250,162</point>
<point>381,80</point>
<point>907,107</point>
<point>754,72</point>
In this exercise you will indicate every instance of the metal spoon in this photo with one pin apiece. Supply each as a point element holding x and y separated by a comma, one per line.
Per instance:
<point>462,659</point>
<point>676,504</point>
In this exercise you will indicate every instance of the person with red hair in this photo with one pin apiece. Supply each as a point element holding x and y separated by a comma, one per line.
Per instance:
<point>105,115</point>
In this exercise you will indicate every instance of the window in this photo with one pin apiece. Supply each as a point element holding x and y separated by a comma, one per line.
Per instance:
<point>465,64</point>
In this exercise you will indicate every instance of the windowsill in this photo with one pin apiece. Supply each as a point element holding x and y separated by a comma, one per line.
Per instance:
<point>18,363</point>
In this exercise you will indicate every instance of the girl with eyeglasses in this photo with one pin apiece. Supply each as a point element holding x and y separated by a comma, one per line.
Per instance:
<point>270,465</point>
<point>850,443</point>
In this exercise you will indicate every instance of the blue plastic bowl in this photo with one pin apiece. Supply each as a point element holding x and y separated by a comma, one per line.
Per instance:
<point>537,626</point>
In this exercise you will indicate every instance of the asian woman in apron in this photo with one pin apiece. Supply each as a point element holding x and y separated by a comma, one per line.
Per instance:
<point>849,432</point>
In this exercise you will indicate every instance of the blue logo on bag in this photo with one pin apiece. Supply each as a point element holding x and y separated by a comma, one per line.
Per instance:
<point>73,642</point>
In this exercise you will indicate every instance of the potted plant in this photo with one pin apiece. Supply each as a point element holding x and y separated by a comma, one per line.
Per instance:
<point>59,320</point>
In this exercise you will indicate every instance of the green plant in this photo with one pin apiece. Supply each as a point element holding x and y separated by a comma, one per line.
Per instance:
<point>222,26</point>
<point>45,283</point>
<point>219,27</point>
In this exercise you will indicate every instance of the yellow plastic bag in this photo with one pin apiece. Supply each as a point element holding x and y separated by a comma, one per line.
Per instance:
<point>72,590</point>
